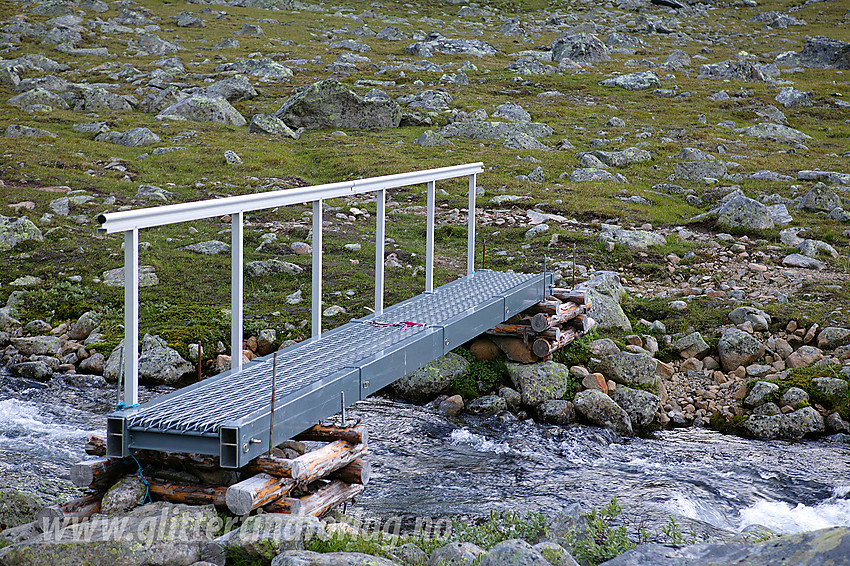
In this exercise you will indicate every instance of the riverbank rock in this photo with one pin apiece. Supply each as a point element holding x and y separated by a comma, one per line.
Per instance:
<point>737,348</point>
<point>514,552</point>
<point>458,554</point>
<point>606,291</point>
<point>266,536</point>
<point>432,378</point>
<point>129,539</point>
<point>557,412</point>
<point>17,508</point>
<point>641,406</point>
<point>15,231</point>
<point>813,548</point>
<point>598,409</point>
<point>331,104</point>
<point>629,368</point>
<point>38,346</point>
<point>539,382</point>
<point>791,426</point>
<point>487,406</point>
<point>160,364</point>
<point>309,558</point>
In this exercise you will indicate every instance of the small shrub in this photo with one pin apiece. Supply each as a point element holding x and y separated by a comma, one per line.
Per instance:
<point>601,541</point>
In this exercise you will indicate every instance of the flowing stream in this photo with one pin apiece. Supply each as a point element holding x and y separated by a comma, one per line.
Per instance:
<point>428,465</point>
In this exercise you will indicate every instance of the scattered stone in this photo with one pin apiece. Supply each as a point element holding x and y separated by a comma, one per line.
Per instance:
<point>16,231</point>
<point>271,267</point>
<point>439,44</point>
<point>804,262</point>
<point>135,137</point>
<point>18,131</point>
<point>759,319</point>
<point>699,170</point>
<point>115,277</point>
<point>820,199</point>
<point>495,130</point>
<point>759,393</point>
<point>634,239</point>
<point>692,346</point>
<point>153,193</point>
<point>211,247</point>
<point>606,291</point>
<point>201,108</point>
<point>581,48</point>
<point>270,125</point>
<point>629,368</point>
<point>769,131</point>
<point>487,406</point>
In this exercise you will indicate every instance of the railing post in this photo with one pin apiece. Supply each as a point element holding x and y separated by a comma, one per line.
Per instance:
<point>470,244</point>
<point>380,237</point>
<point>429,239</point>
<point>316,297</point>
<point>131,317</point>
<point>236,290</point>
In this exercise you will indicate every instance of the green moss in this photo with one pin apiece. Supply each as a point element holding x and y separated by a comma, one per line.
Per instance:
<point>578,352</point>
<point>481,378</point>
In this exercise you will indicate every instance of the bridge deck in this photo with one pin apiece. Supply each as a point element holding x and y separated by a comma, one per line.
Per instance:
<point>229,415</point>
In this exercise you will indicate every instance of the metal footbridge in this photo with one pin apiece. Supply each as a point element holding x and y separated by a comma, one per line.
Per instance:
<point>231,415</point>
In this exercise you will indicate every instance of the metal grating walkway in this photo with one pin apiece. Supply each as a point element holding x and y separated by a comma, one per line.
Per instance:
<point>229,415</point>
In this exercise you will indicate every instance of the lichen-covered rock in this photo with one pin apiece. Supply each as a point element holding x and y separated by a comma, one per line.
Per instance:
<point>309,558</point>
<point>135,137</point>
<point>769,131</point>
<point>270,125</point>
<point>539,382</point>
<point>744,212</point>
<point>595,174</point>
<point>820,199</point>
<point>634,81</point>
<point>266,536</point>
<point>692,346</point>
<point>635,239</point>
<point>158,363</point>
<point>17,508</point>
<point>804,356</point>
<point>606,291</point>
<point>38,346</point>
<point>737,348</point>
<point>557,412</point>
<point>124,496</point>
<point>699,170</point>
<point>84,326</point>
<point>432,378</point>
<point>514,552</point>
<point>152,44</point>
<point>262,67</point>
<point>232,89</point>
<point>487,405</point>
<point>271,267</point>
<point>38,98</point>
<point>622,158</point>
<point>760,393</point>
<point>15,231</point>
<point>211,247</point>
<point>201,108</point>
<point>803,262</point>
<point>640,405</point>
<point>821,52</point>
<point>331,104</point>
<point>830,385</point>
<point>600,410</point>
<point>813,548</point>
<point>735,70</point>
<point>581,48</point>
<point>115,277</point>
<point>757,317</point>
<point>457,554</point>
<point>833,336</point>
<point>38,370</point>
<point>451,46</point>
<point>794,425</point>
<point>430,138</point>
<point>484,130</point>
<point>19,131</point>
<point>629,368</point>
<point>131,539</point>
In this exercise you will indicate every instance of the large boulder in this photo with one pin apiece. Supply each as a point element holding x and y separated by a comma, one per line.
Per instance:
<point>331,104</point>
<point>760,393</point>
<point>820,199</point>
<point>514,552</point>
<point>629,368</point>
<point>821,52</point>
<point>262,67</point>
<point>15,231</point>
<point>699,170</point>
<point>266,536</point>
<point>131,539</point>
<point>641,406</point>
<point>484,130</point>
<point>812,548</point>
<point>606,291</point>
<point>38,346</point>
<point>746,213</point>
<point>769,131</point>
<point>431,379</point>
<point>622,158</point>
<point>200,108</point>
<point>232,89</point>
<point>635,239</point>
<point>134,137</point>
<point>737,348</point>
<point>540,382</point>
<point>634,81</point>
<point>692,346</point>
<point>791,426</point>
<point>310,558</point>
<point>38,98</point>
<point>581,48</point>
<point>600,410</point>
<point>158,363</point>
<point>451,46</point>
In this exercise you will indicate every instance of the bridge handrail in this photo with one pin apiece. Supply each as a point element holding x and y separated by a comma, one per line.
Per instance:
<point>131,221</point>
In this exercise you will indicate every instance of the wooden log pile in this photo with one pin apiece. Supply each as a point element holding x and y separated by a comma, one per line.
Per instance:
<point>311,483</point>
<point>551,324</point>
